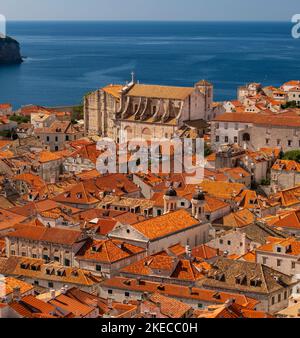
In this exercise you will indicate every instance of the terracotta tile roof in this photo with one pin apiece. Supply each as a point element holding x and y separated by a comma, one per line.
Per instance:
<point>223,190</point>
<point>87,151</point>
<point>71,305</point>
<point>79,194</point>
<point>205,252</point>
<point>231,310</point>
<point>211,157</point>
<point>177,250</point>
<point>163,92</point>
<point>59,127</point>
<point>9,219</point>
<point>236,173</point>
<point>87,175</point>
<point>288,219</point>
<point>32,208</point>
<point>7,285</point>
<point>249,257</point>
<point>5,143</point>
<point>239,219</point>
<point>169,307</point>
<point>259,119</point>
<point>172,267</point>
<point>52,235</point>
<point>286,165</point>
<point>22,266</point>
<point>214,204</point>
<point>113,90</point>
<point>6,154</point>
<point>243,276</point>
<point>5,106</point>
<point>166,225</point>
<point>288,197</point>
<point>107,251</point>
<point>178,291</point>
<point>47,156</point>
<point>28,306</point>
<point>107,218</point>
<point>292,83</point>
<point>33,180</point>
<point>126,202</point>
<point>291,244</point>
<point>249,199</point>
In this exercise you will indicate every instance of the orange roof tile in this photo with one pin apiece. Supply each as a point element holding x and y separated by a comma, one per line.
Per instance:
<point>165,225</point>
<point>180,291</point>
<point>108,251</point>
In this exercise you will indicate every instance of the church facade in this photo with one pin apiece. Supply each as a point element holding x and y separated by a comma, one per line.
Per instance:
<point>147,111</point>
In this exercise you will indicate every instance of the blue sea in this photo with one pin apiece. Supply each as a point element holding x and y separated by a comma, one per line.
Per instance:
<point>65,60</point>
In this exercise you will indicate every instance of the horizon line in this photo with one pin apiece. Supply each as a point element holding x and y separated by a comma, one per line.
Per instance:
<point>145,20</point>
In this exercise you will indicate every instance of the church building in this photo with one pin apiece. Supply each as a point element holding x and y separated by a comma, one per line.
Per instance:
<point>147,111</point>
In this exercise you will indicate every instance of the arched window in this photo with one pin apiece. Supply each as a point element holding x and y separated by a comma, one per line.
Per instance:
<point>128,133</point>
<point>246,137</point>
<point>146,134</point>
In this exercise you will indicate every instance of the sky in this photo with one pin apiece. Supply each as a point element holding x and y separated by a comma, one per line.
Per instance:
<point>211,10</point>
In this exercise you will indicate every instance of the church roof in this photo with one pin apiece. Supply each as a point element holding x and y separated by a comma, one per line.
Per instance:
<point>160,92</point>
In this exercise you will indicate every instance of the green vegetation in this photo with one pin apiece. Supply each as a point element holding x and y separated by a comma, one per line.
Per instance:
<point>265,181</point>
<point>293,155</point>
<point>78,113</point>
<point>292,104</point>
<point>207,150</point>
<point>19,118</point>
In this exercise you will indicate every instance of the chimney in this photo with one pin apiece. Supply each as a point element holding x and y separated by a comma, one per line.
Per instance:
<point>52,294</point>
<point>229,302</point>
<point>110,303</point>
<point>188,252</point>
<point>16,294</point>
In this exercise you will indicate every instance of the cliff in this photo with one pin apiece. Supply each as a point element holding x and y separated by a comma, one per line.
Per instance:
<point>9,51</point>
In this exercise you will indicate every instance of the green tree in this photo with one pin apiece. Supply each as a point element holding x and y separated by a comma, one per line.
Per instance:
<point>293,155</point>
<point>207,150</point>
<point>19,118</point>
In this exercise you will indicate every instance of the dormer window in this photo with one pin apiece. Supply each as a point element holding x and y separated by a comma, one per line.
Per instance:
<point>240,279</point>
<point>220,277</point>
<point>61,273</point>
<point>49,271</point>
<point>256,282</point>
<point>94,249</point>
<point>24,265</point>
<point>278,249</point>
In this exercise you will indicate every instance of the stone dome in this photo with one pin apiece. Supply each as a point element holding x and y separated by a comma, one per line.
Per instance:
<point>199,196</point>
<point>171,192</point>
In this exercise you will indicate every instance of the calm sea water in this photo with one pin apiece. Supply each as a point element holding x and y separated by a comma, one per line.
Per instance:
<point>65,60</point>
